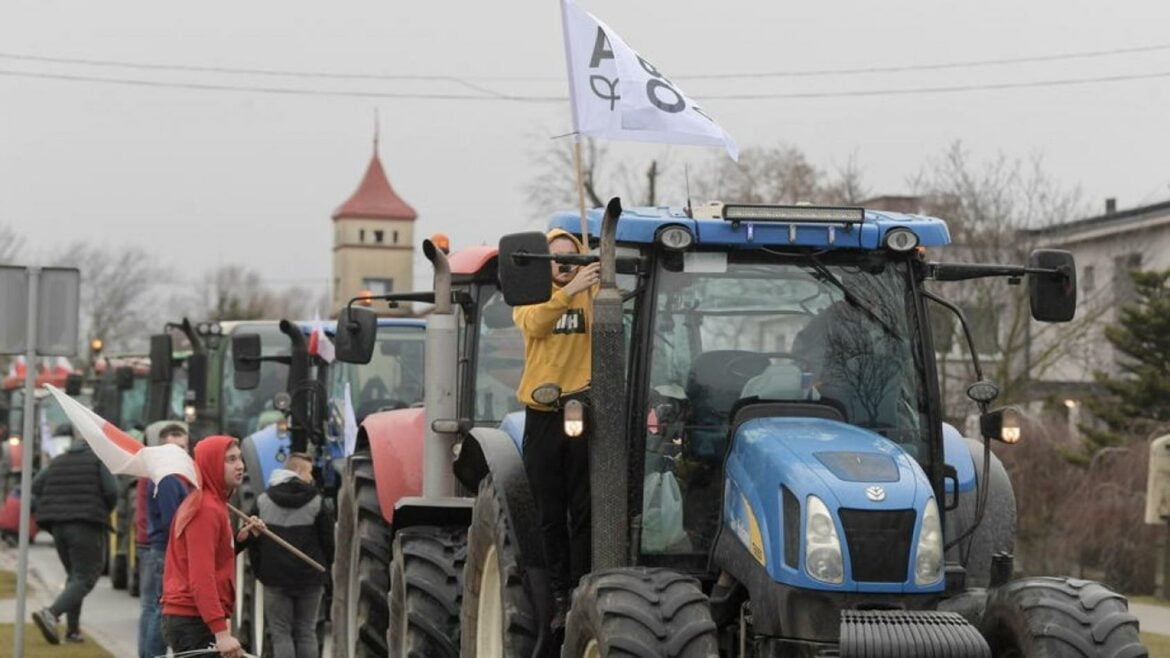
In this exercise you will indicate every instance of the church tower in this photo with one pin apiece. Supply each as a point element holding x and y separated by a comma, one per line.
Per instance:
<point>373,239</point>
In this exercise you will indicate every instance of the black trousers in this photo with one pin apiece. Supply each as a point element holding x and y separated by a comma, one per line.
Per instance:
<point>188,634</point>
<point>81,548</point>
<point>558,472</point>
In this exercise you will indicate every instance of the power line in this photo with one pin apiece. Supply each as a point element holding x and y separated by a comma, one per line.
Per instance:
<point>245,71</point>
<point>466,80</point>
<point>935,67</point>
<point>559,99</point>
<point>200,86</point>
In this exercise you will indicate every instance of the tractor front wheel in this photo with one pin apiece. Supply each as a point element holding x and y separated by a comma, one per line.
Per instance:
<point>639,612</point>
<point>426,583</point>
<point>497,617</point>
<point>1058,617</point>
<point>361,565</point>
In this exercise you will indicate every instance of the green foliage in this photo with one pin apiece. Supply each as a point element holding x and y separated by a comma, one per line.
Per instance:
<point>1135,403</point>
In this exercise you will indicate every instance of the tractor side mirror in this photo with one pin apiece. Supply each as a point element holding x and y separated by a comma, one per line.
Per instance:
<point>1003,424</point>
<point>124,378</point>
<point>161,349</point>
<point>357,330</point>
<point>73,384</point>
<point>1053,297</point>
<point>246,361</point>
<point>523,280</point>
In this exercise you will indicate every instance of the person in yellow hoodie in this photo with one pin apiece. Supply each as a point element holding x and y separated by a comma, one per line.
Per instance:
<point>557,344</point>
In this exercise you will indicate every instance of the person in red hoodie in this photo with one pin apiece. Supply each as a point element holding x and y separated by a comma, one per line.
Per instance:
<point>199,579</point>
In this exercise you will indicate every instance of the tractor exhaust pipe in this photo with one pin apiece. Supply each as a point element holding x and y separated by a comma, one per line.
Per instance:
<point>440,365</point>
<point>608,449</point>
<point>298,375</point>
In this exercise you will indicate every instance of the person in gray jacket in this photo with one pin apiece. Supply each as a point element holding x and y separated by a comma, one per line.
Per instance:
<point>74,497</point>
<point>293,509</point>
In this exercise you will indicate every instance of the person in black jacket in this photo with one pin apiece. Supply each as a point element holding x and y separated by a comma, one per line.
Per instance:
<point>292,508</point>
<point>74,497</point>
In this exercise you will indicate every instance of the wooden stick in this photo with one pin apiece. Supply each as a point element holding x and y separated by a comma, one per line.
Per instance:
<point>581,191</point>
<point>276,538</point>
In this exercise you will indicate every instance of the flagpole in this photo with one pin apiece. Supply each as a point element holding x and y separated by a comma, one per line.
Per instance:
<point>577,164</point>
<point>277,538</point>
<point>581,190</point>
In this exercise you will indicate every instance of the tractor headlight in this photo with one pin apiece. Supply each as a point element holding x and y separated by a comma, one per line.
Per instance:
<point>822,549</point>
<point>928,565</point>
<point>574,418</point>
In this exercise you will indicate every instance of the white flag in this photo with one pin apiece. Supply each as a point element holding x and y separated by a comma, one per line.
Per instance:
<point>349,426</point>
<point>617,94</point>
<point>122,453</point>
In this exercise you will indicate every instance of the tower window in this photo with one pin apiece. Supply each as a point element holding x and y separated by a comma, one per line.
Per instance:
<point>378,286</point>
<point>395,237</point>
<point>378,236</point>
<point>361,235</point>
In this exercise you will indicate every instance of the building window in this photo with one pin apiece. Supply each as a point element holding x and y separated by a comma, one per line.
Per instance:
<point>942,329</point>
<point>1123,288</point>
<point>1089,278</point>
<point>378,236</point>
<point>983,319</point>
<point>395,237</point>
<point>361,235</point>
<point>378,286</point>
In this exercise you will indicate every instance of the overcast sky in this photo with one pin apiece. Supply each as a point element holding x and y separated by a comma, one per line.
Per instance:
<point>215,177</point>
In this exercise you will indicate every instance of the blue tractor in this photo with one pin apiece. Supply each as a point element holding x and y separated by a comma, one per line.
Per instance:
<point>769,468</point>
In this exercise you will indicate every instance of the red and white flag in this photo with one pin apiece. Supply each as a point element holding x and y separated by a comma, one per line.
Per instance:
<point>319,343</point>
<point>122,453</point>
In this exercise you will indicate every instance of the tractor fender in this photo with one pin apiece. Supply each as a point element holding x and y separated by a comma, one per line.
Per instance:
<point>487,450</point>
<point>996,532</point>
<point>395,441</point>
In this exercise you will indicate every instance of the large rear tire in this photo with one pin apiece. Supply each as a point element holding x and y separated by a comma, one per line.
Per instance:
<point>1059,617</point>
<point>638,612</point>
<point>361,565</point>
<point>497,618</point>
<point>426,585</point>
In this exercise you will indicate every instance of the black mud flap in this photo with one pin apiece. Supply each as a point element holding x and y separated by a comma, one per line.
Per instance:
<point>906,633</point>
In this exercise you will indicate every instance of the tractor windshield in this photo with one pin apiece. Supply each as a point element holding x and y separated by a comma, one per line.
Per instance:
<point>242,409</point>
<point>134,405</point>
<point>393,379</point>
<point>499,362</point>
<point>773,327</point>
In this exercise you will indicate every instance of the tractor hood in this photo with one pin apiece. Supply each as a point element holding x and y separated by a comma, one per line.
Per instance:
<point>776,463</point>
<point>840,460</point>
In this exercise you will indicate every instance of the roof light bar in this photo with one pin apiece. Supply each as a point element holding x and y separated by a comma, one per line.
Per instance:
<point>800,214</point>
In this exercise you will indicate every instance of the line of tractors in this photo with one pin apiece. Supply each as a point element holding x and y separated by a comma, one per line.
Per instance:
<point>770,473</point>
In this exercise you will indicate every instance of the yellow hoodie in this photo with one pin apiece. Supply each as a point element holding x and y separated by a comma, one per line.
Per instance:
<point>556,339</point>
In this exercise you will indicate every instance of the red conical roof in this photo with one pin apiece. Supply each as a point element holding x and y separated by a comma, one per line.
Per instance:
<point>374,198</point>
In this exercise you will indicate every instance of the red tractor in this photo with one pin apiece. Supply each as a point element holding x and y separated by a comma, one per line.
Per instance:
<point>402,518</point>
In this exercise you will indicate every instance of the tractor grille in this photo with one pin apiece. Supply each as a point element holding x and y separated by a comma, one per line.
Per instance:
<point>879,543</point>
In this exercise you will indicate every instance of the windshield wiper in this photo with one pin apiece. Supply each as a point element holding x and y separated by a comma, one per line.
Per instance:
<point>850,297</point>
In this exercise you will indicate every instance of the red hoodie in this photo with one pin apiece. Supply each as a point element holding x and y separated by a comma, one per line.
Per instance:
<point>199,579</point>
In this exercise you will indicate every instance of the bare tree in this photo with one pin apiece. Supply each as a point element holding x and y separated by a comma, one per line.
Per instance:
<point>11,244</point>
<point>780,174</point>
<point>119,286</point>
<point>990,207</point>
<point>234,292</point>
<point>604,176</point>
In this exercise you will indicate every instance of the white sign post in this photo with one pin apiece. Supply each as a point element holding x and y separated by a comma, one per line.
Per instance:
<point>51,296</point>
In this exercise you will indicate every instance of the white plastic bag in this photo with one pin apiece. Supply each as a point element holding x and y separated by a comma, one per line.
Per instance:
<point>662,513</point>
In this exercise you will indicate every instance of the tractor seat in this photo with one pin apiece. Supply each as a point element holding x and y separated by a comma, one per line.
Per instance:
<point>714,384</point>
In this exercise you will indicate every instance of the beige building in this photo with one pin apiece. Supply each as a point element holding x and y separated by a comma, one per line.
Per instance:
<point>373,240</point>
